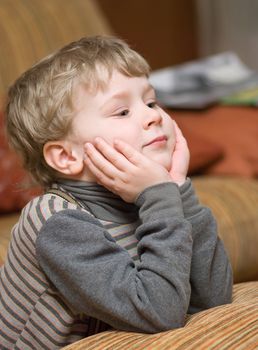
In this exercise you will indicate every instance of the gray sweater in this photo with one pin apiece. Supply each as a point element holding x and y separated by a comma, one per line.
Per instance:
<point>178,264</point>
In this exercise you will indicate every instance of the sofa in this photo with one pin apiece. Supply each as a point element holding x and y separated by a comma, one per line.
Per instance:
<point>224,168</point>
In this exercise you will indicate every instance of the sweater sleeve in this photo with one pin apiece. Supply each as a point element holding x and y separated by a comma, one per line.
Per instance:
<point>99,278</point>
<point>211,274</point>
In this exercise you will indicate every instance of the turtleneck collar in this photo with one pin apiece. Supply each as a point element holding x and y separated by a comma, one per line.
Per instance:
<point>102,203</point>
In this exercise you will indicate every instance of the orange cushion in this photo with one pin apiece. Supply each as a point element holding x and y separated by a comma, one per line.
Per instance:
<point>13,195</point>
<point>204,153</point>
<point>233,130</point>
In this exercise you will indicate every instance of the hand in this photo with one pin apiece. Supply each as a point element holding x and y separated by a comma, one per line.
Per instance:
<point>123,170</point>
<point>180,158</point>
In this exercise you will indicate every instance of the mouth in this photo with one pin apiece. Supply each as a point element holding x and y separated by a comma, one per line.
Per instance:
<point>158,140</point>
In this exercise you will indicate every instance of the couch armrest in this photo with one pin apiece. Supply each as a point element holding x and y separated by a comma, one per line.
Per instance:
<point>234,202</point>
<point>222,327</point>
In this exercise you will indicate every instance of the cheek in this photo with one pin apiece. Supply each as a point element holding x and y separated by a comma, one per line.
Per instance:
<point>106,131</point>
<point>124,132</point>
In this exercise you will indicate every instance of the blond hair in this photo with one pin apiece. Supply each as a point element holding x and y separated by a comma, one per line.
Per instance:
<point>40,107</point>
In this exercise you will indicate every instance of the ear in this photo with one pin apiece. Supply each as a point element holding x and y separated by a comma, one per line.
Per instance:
<point>63,157</point>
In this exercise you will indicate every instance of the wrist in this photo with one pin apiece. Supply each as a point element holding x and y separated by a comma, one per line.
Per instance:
<point>179,179</point>
<point>190,201</point>
<point>160,201</point>
<point>181,182</point>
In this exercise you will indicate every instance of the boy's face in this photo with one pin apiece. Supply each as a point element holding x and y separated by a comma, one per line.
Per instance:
<point>126,110</point>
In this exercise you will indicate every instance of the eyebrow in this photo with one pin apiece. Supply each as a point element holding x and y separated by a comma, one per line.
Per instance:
<point>149,88</point>
<point>123,94</point>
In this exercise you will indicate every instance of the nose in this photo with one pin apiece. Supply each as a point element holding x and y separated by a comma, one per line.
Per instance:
<point>151,116</point>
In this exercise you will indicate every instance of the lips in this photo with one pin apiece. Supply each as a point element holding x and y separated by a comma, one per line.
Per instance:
<point>157,139</point>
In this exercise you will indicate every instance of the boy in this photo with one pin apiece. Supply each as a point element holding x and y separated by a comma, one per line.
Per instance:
<point>119,238</point>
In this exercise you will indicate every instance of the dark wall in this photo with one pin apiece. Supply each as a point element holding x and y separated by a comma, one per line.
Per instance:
<point>163,31</point>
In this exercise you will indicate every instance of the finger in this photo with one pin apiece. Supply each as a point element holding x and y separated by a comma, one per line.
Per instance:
<point>95,171</point>
<point>98,163</point>
<point>179,135</point>
<point>130,153</point>
<point>116,158</point>
<point>101,178</point>
<point>178,130</point>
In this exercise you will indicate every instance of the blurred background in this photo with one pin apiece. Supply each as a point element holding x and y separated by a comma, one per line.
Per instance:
<point>228,25</point>
<point>166,32</point>
<point>169,32</point>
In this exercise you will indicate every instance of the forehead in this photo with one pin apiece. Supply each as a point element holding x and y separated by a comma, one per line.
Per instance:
<point>115,86</point>
<point>120,81</point>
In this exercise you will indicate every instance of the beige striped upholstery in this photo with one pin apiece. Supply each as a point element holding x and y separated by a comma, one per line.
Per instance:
<point>31,29</point>
<point>234,202</point>
<point>229,327</point>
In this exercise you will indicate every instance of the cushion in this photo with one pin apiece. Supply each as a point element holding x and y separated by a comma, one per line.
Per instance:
<point>233,130</point>
<point>222,327</point>
<point>203,152</point>
<point>13,194</point>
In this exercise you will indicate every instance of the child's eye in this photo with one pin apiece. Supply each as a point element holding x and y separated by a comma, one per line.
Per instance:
<point>152,104</point>
<point>123,113</point>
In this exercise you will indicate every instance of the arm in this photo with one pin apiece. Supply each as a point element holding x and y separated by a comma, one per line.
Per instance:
<point>98,277</point>
<point>211,274</point>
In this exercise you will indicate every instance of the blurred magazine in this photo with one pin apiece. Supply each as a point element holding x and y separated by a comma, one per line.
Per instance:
<point>243,98</point>
<point>200,83</point>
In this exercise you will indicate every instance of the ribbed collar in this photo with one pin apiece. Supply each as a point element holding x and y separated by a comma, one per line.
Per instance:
<point>102,203</point>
